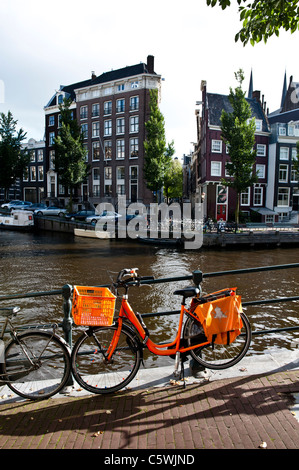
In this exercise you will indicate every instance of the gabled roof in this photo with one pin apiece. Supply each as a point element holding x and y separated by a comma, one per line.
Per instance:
<point>216,103</point>
<point>129,71</point>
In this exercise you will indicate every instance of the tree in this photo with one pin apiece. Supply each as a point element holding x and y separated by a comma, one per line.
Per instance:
<point>238,131</point>
<point>263,18</point>
<point>13,159</point>
<point>173,182</point>
<point>70,154</point>
<point>158,155</point>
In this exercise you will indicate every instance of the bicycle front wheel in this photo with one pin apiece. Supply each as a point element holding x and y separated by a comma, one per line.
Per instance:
<point>93,371</point>
<point>217,356</point>
<point>37,365</point>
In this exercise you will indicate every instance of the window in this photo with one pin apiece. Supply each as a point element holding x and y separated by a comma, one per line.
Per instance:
<point>134,124</point>
<point>108,127</point>
<point>96,182</point>
<point>120,106</point>
<point>40,173</point>
<point>33,173</point>
<point>260,171</point>
<point>107,107</point>
<point>258,196</point>
<point>107,150</point>
<point>215,168</point>
<point>282,131</point>
<point>258,125</point>
<point>134,84</point>
<point>95,150</point>
<point>245,198</point>
<point>120,173</point>
<point>293,174</point>
<point>95,110</point>
<point>60,99</point>
<point>133,183</point>
<point>51,138</point>
<point>120,180</point>
<point>51,120</point>
<point>283,173</point>
<point>134,148</point>
<point>121,87</point>
<point>84,130</point>
<point>83,112</point>
<point>284,153</point>
<point>52,159</point>
<point>283,196</point>
<point>261,150</point>
<point>291,129</point>
<point>134,103</point>
<point>120,125</point>
<point>40,155</point>
<point>216,146</point>
<point>120,148</point>
<point>95,129</point>
<point>32,156</point>
<point>108,181</point>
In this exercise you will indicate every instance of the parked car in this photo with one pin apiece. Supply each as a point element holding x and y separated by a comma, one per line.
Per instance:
<point>35,206</point>
<point>6,205</point>
<point>19,205</point>
<point>52,210</point>
<point>80,215</point>
<point>107,214</point>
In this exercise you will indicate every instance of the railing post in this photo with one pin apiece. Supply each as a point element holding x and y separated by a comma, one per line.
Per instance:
<point>67,309</point>
<point>67,321</point>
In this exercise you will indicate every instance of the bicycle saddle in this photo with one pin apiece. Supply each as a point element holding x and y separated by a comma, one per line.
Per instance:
<point>187,292</point>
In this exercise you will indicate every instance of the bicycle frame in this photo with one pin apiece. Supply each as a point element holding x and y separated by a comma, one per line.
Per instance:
<point>165,349</point>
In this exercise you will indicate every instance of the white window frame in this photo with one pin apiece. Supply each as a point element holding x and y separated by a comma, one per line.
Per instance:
<point>214,170</point>
<point>258,195</point>
<point>261,150</point>
<point>260,171</point>
<point>245,198</point>
<point>216,146</point>
<point>285,192</point>
<point>108,127</point>
<point>284,153</point>
<point>283,170</point>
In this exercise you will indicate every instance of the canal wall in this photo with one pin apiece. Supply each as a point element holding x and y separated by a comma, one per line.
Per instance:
<point>248,237</point>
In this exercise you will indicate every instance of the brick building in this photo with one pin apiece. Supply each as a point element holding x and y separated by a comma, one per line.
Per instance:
<point>111,109</point>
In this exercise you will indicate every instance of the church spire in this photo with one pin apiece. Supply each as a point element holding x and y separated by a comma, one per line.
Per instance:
<point>250,89</point>
<point>284,90</point>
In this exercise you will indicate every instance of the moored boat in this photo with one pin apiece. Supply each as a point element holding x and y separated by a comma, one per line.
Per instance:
<point>17,220</point>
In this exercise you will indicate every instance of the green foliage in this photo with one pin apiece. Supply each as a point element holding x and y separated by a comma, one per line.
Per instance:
<point>157,153</point>
<point>261,19</point>
<point>70,154</point>
<point>173,182</point>
<point>238,131</point>
<point>13,159</point>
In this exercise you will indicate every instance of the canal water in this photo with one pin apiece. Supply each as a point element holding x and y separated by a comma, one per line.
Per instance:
<point>45,261</point>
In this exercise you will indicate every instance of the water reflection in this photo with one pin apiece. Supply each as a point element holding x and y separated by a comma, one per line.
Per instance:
<point>47,261</point>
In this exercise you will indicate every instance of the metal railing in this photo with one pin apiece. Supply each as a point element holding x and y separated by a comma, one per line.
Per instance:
<point>197,276</point>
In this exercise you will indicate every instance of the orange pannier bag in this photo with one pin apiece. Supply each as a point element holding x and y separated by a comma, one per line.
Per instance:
<point>220,318</point>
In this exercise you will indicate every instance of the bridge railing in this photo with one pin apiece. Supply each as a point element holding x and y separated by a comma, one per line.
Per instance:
<point>196,276</point>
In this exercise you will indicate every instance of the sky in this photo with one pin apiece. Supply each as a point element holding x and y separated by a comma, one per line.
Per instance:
<point>47,44</point>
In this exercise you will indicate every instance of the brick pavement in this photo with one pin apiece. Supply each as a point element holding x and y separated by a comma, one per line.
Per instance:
<point>233,413</point>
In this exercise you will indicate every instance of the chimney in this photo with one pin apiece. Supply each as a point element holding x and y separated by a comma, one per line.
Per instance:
<point>150,64</point>
<point>93,75</point>
<point>257,95</point>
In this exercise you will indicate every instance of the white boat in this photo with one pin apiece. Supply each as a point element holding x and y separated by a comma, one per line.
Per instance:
<point>91,233</point>
<point>17,220</point>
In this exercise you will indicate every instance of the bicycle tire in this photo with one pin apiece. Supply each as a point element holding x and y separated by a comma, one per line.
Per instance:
<point>217,356</point>
<point>51,357</point>
<point>93,372</point>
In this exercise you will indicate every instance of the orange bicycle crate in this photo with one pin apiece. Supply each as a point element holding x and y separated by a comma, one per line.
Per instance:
<point>93,306</point>
<point>220,318</point>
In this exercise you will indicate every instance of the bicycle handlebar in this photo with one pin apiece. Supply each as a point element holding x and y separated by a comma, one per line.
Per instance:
<point>132,275</point>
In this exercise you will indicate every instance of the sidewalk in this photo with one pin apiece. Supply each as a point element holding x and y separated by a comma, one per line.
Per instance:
<point>240,408</point>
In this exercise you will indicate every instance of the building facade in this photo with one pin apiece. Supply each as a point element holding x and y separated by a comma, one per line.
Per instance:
<point>219,201</point>
<point>283,187</point>
<point>112,110</point>
<point>33,184</point>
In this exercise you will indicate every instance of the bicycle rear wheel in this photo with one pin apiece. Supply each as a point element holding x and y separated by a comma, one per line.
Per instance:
<point>90,367</point>
<point>217,356</point>
<point>37,365</point>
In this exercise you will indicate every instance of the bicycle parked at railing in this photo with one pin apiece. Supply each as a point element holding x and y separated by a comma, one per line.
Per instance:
<point>34,364</point>
<point>106,358</point>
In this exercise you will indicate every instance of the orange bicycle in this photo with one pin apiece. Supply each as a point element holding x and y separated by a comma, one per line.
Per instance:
<point>107,358</point>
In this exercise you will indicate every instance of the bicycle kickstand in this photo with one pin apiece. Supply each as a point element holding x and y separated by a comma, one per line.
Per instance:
<point>176,373</point>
